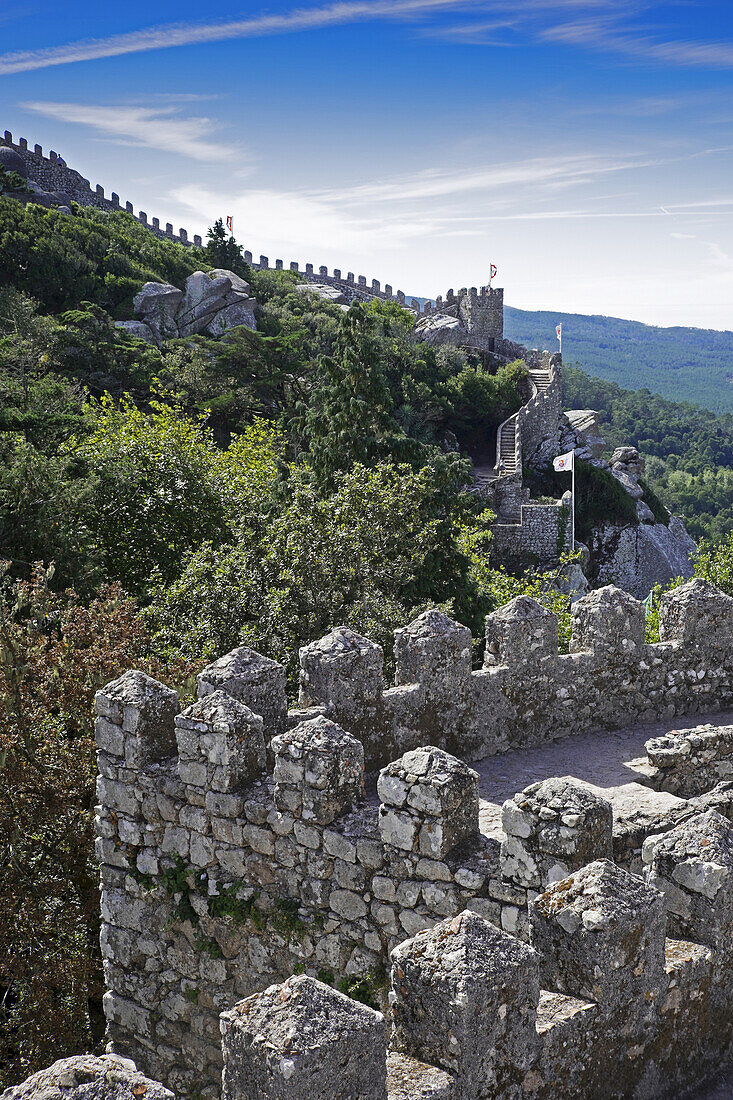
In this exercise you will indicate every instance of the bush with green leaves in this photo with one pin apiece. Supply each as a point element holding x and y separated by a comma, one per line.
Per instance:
<point>372,554</point>
<point>96,256</point>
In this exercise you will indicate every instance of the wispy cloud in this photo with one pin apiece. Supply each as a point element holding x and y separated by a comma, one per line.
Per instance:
<point>603,32</point>
<point>187,34</point>
<point>538,171</point>
<point>158,127</point>
<point>485,33</point>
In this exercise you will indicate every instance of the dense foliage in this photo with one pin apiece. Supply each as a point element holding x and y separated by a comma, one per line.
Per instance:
<point>95,256</point>
<point>55,652</point>
<point>255,489</point>
<point>682,364</point>
<point>688,451</point>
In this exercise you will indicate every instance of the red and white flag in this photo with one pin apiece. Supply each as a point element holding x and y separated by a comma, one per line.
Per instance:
<point>230,222</point>
<point>558,332</point>
<point>492,273</point>
<point>563,462</point>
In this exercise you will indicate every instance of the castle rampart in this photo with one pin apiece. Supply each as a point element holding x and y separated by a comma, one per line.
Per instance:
<point>238,843</point>
<point>54,175</point>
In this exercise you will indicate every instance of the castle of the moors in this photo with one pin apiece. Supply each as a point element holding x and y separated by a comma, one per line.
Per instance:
<point>495,883</point>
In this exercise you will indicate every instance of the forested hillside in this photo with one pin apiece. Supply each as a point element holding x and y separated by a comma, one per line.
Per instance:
<point>682,364</point>
<point>688,452</point>
<point>162,505</point>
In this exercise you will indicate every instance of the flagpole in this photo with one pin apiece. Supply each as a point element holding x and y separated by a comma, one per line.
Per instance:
<point>572,509</point>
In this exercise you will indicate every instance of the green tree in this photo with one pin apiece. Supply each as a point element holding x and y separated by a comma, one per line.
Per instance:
<point>373,553</point>
<point>46,502</point>
<point>156,489</point>
<point>54,654</point>
<point>347,418</point>
<point>223,251</point>
<point>12,182</point>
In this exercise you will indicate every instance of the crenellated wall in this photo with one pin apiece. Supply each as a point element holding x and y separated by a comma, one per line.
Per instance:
<point>238,842</point>
<point>54,175</point>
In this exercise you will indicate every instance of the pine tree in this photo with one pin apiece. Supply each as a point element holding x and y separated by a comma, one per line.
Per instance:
<point>223,251</point>
<point>348,417</point>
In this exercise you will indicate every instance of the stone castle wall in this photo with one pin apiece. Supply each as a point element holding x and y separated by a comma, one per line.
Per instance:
<point>539,419</point>
<point>53,174</point>
<point>238,844</point>
<point>538,539</point>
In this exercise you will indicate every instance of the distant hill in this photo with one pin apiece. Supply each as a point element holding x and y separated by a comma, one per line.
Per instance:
<point>683,364</point>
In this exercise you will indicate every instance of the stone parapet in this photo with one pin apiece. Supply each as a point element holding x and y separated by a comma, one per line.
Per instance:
<point>302,1040</point>
<point>224,869</point>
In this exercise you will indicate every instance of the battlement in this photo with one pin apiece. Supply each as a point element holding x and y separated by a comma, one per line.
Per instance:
<point>604,991</point>
<point>240,842</point>
<point>52,173</point>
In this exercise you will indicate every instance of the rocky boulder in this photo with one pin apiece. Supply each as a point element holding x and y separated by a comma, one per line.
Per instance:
<point>88,1077</point>
<point>139,329</point>
<point>232,316</point>
<point>202,298</point>
<point>12,161</point>
<point>637,558</point>
<point>156,305</point>
<point>211,302</point>
<point>323,290</point>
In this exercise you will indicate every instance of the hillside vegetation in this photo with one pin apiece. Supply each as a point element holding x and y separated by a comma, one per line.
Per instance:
<point>161,506</point>
<point>682,364</point>
<point>688,452</point>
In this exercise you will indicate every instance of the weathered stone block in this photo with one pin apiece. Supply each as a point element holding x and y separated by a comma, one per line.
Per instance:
<point>300,1041</point>
<point>429,800</point>
<point>609,623</point>
<point>520,633</point>
<point>690,762</point>
<point>322,766</point>
<point>254,680</point>
<point>692,865</point>
<point>145,710</point>
<point>600,935</point>
<point>697,614</point>
<point>106,1076</point>
<point>464,998</point>
<point>434,651</point>
<point>226,736</point>
<point>342,671</point>
<point>553,828</point>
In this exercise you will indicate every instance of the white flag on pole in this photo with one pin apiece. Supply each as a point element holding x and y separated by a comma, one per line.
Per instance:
<point>564,462</point>
<point>558,332</point>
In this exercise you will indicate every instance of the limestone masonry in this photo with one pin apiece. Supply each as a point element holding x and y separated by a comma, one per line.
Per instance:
<point>258,863</point>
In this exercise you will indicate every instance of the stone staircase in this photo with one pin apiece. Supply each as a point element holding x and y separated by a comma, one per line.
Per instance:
<point>507,473</point>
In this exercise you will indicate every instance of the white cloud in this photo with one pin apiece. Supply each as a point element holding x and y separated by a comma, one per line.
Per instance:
<point>605,34</point>
<point>157,127</point>
<point>286,221</point>
<point>433,183</point>
<point>187,34</point>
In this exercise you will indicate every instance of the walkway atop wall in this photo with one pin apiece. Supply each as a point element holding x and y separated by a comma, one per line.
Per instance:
<point>611,761</point>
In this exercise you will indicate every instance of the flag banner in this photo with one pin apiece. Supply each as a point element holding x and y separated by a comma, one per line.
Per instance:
<point>558,332</point>
<point>493,271</point>
<point>230,222</point>
<point>563,462</point>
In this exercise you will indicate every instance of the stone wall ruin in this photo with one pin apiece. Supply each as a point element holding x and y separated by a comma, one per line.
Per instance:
<point>239,844</point>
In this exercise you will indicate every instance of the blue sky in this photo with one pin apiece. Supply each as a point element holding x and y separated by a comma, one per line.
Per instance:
<point>584,147</point>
